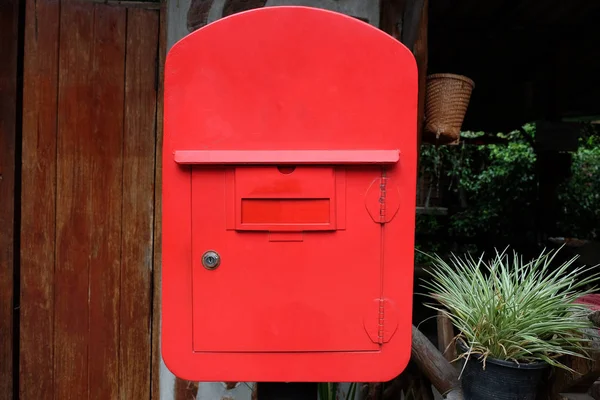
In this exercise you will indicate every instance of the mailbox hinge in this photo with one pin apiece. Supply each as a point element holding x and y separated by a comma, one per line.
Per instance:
<point>382,197</point>
<point>380,322</point>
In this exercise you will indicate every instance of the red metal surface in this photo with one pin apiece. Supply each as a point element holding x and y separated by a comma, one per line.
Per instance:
<point>283,129</point>
<point>287,157</point>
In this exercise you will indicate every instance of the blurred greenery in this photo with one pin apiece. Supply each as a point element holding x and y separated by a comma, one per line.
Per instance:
<point>489,184</point>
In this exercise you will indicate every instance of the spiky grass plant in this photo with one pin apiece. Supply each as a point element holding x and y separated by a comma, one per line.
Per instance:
<point>513,310</point>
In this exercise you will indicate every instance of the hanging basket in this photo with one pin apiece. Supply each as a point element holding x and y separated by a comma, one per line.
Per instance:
<point>446,102</point>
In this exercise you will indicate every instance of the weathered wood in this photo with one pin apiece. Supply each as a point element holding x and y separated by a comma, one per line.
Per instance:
<point>138,208</point>
<point>89,193</point>
<point>104,144</point>
<point>413,21</point>
<point>157,256</point>
<point>9,22</point>
<point>197,15</point>
<point>88,201</point>
<point>236,6</point>
<point>445,331</point>
<point>421,52</point>
<point>185,390</point>
<point>38,199</point>
<point>432,363</point>
<point>392,17</point>
<point>587,371</point>
<point>74,208</point>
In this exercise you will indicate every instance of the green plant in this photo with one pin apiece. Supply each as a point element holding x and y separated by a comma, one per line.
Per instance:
<point>497,184</point>
<point>329,391</point>
<point>513,310</point>
<point>489,190</point>
<point>579,196</point>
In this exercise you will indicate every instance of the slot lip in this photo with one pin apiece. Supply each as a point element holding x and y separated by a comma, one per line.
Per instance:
<point>286,157</point>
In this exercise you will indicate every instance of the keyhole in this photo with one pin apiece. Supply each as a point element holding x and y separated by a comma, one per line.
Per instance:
<point>211,259</point>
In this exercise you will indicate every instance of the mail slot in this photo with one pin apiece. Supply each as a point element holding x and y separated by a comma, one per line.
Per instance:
<point>289,174</point>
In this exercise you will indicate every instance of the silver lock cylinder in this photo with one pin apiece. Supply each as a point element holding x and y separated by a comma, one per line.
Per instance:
<point>211,259</point>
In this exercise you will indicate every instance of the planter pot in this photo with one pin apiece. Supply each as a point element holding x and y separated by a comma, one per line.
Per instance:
<point>501,380</point>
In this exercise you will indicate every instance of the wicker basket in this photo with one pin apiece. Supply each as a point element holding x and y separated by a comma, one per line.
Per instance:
<point>446,102</point>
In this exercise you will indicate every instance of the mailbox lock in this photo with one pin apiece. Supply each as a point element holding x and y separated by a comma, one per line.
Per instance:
<point>211,259</point>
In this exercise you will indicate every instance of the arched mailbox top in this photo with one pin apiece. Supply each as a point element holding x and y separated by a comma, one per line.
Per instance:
<point>289,157</point>
<point>290,78</point>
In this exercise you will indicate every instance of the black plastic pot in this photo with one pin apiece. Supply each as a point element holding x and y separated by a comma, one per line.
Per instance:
<point>501,380</point>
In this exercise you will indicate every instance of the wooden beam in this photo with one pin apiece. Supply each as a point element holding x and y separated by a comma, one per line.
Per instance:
<point>442,375</point>
<point>157,250</point>
<point>9,43</point>
<point>421,52</point>
<point>137,239</point>
<point>413,20</point>
<point>392,17</point>
<point>38,198</point>
<point>445,332</point>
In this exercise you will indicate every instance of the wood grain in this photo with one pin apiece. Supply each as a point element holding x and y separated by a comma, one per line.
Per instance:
<point>74,203</point>
<point>138,203</point>
<point>421,52</point>
<point>89,187</point>
<point>89,146</point>
<point>9,20</point>
<point>412,21</point>
<point>392,16</point>
<point>445,331</point>
<point>104,141</point>
<point>156,276</point>
<point>38,198</point>
<point>432,363</point>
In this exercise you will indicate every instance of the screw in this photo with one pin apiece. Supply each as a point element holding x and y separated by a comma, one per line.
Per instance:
<point>211,259</point>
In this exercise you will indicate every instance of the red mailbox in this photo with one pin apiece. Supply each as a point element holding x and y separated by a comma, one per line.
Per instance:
<point>289,174</point>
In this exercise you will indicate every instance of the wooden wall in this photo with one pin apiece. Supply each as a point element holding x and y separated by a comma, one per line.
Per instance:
<point>88,206</point>
<point>9,103</point>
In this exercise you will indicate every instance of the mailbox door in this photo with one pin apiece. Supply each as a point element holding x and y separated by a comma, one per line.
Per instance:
<point>300,276</point>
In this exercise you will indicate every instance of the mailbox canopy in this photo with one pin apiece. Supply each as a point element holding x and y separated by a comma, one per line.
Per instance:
<point>290,151</point>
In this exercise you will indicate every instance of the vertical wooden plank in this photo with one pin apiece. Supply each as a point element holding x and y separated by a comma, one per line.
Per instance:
<point>89,194</point>
<point>138,202</point>
<point>445,332</point>
<point>73,209</point>
<point>9,22</point>
<point>156,275</point>
<point>421,52</point>
<point>391,19</point>
<point>38,198</point>
<point>105,139</point>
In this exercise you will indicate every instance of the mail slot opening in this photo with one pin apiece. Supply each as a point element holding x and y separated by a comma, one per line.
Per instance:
<point>286,169</point>
<point>286,211</point>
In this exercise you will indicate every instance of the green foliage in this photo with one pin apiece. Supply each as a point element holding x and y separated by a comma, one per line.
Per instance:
<point>491,191</point>
<point>329,391</point>
<point>580,195</point>
<point>513,310</point>
<point>498,188</point>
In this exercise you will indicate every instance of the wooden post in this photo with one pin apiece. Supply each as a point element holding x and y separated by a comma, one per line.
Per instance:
<point>445,332</point>
<point>9,101</point>
<point>442,375</point>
